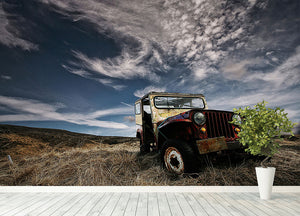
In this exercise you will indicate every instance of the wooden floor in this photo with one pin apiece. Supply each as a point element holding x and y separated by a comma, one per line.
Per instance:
<point>151,203</point>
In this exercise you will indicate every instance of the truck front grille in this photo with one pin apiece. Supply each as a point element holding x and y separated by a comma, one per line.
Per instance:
<point>217,124</point>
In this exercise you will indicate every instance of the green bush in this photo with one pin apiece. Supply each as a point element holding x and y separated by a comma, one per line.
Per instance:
<point>259,128</point>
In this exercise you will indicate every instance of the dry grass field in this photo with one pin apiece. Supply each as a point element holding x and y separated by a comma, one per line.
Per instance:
<point>57,157</point>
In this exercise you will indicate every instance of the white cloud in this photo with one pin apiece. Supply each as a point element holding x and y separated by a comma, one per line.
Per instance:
<point>5,77</point>
<point>129,118</point>
<point>161,32</point>
<point>109,112</point>
<point>200,73</point>
<point>88,75</point>
<point>287,100</point>
<point>33,110</point>
<point>126,104</point>
<point>78,72</point>
<point>284,76</point>
<point>252,2</point>
<point>142,92</point>
<point>126,66</point>
<point>10,34</point>
<point>23,117</point>
<point>235,70</point>
<point>111,83</point>
<point>128,132</point>
<point>213,39</point>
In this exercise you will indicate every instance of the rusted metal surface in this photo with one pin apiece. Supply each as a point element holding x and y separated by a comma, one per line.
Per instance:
<point>173,160</point>
<point>217,123</point>
<point>211,145</point>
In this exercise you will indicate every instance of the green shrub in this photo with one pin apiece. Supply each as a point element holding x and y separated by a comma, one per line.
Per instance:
<point>259,128</point>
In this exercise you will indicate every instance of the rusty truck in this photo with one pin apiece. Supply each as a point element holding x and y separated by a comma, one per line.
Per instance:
<point>181,128</point>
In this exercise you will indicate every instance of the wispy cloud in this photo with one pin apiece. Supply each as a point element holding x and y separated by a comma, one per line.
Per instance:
<point>5,77</point>
<point>155,34</point>
<point>126,104</point>
<point>89,75</point>
<point>204,35</point>
<point>285,75</point>
<point>287,100</point>
<point>129,118</point>
<point>128,132</point>
<point>33,110</point>
<point>142,92</point>
<point>108,71</point>
<point>10,34</point>
<point>236,70</point>
<point>229,50</point>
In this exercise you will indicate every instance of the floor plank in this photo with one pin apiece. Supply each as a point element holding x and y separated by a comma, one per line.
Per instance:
<point>184,205</point>
<point>277,204</point>
<point>132,204</point>
<point>261,204</point>
<point>96,210</point>
<point>121,205</point>
<point>142,205</point>
<point>74,208</point>
<point>69,197</point>
<point>206,205</point>
<point>7,197</point>
<point>234,202</point>
<point>254,209</point>
<point>151,204</point>
<point>94,198</point>
<point>217,205</point>
<point>110,206</point>
<point>14,207</point>
<point>174,205</point>
<point>10,199</point>
<point>69,205</point>
<point>253,203</point>
<point>36,205</point>
<point>197,208</point>
<point>229,206</point>
<point>163,205</point>
<point>57,198</point>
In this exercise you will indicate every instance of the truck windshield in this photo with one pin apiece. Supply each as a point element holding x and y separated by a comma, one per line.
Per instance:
<point>178,102</point>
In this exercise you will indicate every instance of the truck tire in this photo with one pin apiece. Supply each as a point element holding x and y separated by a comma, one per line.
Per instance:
<point>178,157</point>
<point>144,148</point>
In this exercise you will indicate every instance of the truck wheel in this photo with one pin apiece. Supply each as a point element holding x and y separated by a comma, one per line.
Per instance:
<point>144,148</point>
<point>178,157</point>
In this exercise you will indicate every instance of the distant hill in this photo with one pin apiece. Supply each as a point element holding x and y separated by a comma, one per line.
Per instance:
<point>59,137</point>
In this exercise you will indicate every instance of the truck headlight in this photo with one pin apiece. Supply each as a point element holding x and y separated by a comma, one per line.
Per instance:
<point>199,118</point>
<point>237,118</point>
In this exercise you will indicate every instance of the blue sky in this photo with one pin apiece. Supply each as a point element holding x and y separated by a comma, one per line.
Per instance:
<point>80,65</point>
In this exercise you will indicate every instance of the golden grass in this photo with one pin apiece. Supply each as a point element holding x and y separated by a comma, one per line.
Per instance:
<point>36,162</point>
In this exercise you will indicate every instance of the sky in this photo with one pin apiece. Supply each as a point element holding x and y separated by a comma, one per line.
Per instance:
<point>80,65</point>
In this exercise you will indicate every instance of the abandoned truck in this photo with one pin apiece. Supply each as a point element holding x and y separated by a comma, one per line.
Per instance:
<point>182,128</point>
